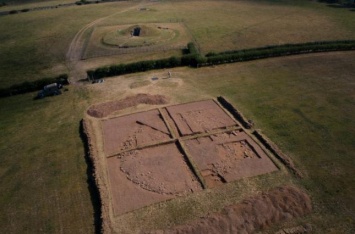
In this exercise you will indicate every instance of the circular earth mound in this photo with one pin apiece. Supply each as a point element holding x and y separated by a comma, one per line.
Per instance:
<point>138,36</point>
<point>159,169</point>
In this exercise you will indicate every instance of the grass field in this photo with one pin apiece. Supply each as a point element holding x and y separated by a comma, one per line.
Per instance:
<point>303,103</point>
<point>105,41</point>
<point>44,36</point>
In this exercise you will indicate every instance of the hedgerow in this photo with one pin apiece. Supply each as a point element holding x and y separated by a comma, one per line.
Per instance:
<point>275,51</point>
<point>194,59</point>
<point>121,69</point>
<point>27,86</point>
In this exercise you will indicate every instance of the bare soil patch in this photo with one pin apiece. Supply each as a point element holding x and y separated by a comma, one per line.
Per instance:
<point>252,214</point>
<point>199,117</point>
<point>105,109</point>
<point>150,175</point>
<point>160,154</point>
<point>132,131</point>
<point>228,156</point>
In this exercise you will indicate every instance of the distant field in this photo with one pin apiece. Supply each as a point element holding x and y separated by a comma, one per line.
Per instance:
<point>303,103</point>
<point>44,36</point>
<point>34,44</point>
<point>23,4</point>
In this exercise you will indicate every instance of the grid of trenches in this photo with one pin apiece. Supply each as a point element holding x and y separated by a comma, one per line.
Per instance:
<point>173,151</point>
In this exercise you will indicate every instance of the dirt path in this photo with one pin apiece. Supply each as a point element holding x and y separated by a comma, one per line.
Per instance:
<point>73,56</point>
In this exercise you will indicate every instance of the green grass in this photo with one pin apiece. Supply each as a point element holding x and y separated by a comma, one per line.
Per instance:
<point>105,40</point>
<point>25,4</point>
<point>304,103</point>
<point>43,170</point>
<point>152,35</point>
<point>34,44</point>
<point>44,36</point>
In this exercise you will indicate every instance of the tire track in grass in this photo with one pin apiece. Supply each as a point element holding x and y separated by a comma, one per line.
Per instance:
<point>75,50</point>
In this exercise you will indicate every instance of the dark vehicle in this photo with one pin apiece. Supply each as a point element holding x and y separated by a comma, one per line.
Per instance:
<point>50,90</point>
<point>97,81</point>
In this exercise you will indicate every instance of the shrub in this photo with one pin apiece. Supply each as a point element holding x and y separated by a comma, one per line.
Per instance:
<point>192,48</point>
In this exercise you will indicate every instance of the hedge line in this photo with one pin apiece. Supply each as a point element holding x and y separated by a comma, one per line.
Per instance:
<point>191,58</point>
<point>195,59</point>
<point>141,66</point>
<point>275,51</point>
<point>27,86</point>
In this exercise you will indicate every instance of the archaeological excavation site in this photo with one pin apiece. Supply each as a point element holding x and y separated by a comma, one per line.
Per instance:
<point>170,151</point>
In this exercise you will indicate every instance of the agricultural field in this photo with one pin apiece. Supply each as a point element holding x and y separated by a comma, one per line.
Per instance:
<point>304,104</point>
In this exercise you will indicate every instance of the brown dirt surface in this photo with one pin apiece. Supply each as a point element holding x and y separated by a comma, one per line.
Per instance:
<point>105,109</point>
<point>199,117</point>
<point>143,177</point>
<point>132,131</point>
<point>250,215</point>
<point>228,156</point>
<point>164,153</point>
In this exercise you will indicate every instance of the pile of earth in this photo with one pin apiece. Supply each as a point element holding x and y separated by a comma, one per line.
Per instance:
<point>138,36</point>
<point>255,213</point>
<point>105,109</point>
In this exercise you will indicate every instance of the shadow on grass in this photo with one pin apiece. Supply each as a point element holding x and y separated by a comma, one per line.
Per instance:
<point>84,80</point>
<point>340,6</point>
<point>335,6</point>
<point>94,191</point>
<point>329,1</point>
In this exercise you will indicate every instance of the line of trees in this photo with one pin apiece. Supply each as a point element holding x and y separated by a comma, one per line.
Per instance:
<point>275,51</point>
<point>193,58</point>
<point>27,86</point>
<point>141,66</point>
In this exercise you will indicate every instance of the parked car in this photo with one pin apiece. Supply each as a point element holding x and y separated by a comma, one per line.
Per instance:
<point>50,90</point>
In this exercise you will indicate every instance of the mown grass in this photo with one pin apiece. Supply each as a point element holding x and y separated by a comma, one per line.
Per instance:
<point>103,39</point>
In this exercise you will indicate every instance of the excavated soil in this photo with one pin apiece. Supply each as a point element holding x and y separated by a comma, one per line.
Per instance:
<point>199,117</point>
<point>157,155</point>
<point>132,131</point>
<point>105,109</point>
<point>144,167</point>
<point>250,215</point>
<point>228,156</point>
<point>142,177</point>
